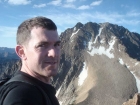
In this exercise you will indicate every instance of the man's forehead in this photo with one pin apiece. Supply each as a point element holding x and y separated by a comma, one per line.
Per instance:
<point>48,42</point>
<point>44,32</point>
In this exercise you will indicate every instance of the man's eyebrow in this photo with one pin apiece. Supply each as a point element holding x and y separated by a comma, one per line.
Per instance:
<point>46,42</point>
<point>58,41</point>
<point>43,42</point>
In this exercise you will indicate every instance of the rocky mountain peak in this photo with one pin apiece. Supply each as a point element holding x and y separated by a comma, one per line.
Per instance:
<point>78,25</point>
<point>95,57</point>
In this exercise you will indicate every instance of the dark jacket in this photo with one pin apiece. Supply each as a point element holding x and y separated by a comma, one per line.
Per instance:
<point>28,91</point>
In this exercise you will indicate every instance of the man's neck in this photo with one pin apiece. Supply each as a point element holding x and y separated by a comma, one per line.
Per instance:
<point>35,75</point>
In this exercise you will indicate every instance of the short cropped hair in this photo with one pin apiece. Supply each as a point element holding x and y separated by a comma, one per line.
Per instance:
<point>24,29</point>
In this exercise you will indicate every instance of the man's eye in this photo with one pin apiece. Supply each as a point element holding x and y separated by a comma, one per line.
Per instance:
<point>57,44</point>
<point>42,45</point>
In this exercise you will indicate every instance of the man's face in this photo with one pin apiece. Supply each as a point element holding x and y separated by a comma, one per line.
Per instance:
<point>43,52</point>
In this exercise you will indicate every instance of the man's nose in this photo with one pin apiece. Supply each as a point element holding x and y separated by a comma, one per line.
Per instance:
<point>52,52</point>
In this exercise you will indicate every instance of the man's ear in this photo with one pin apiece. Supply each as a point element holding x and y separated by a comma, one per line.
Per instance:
<point>20,51</point>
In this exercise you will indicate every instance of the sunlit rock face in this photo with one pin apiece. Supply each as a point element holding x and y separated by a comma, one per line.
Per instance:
<point>99,65</point>
<point>134,101</point>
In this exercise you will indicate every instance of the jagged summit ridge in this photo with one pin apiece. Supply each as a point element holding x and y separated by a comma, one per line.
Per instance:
<point>95,58</point>
<point>105,33</point>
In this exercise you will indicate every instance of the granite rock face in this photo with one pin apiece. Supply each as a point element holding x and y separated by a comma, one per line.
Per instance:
<point>99,65</point>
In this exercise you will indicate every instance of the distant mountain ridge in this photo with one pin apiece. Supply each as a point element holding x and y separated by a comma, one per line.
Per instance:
<point>8,53</point>
<point>9,62</point>
<point>5,49</point>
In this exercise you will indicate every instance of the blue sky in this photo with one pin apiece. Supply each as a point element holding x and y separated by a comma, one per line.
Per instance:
<point>66,13</point>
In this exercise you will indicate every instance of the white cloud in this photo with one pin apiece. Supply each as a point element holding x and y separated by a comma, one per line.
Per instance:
<point>69,6</point>
<point>95,3</point>
<point>133,14</point>
<point>19,2</point>
<point>112,18</point>
<point>83,7</point>
<point>55,2</point>
<point>128,22</point>
<point>70,1</point>
<point>70,19</point>
<point>39,6</point>
<point>125,6</point>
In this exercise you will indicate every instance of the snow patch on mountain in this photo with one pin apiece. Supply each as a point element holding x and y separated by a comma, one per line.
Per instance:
<point>61,103</point>
<point>74,29</point>
<point>121,61</point>
<point>137,81</point>
<point>136,63</point>
<point>102,41</point>
<point>58,92</point>
<point>89,45</point>
<point>83,75</point>
<point>119,47</point>
<point>73,35</point>
<point>127,66</point>
<point>102,50</point>
<point>100,30</point>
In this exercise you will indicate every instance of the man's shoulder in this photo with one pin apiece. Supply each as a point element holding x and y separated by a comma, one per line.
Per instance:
<point>18,85</point>
<point>21,84</point>
<point>19,91</point>
<point>21,88</point>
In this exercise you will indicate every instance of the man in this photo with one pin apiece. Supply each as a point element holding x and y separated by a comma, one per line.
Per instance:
<point>38,46</point>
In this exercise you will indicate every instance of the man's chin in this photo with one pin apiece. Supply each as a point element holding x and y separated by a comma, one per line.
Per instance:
<point>51,64</point>
<point>51,72</point>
